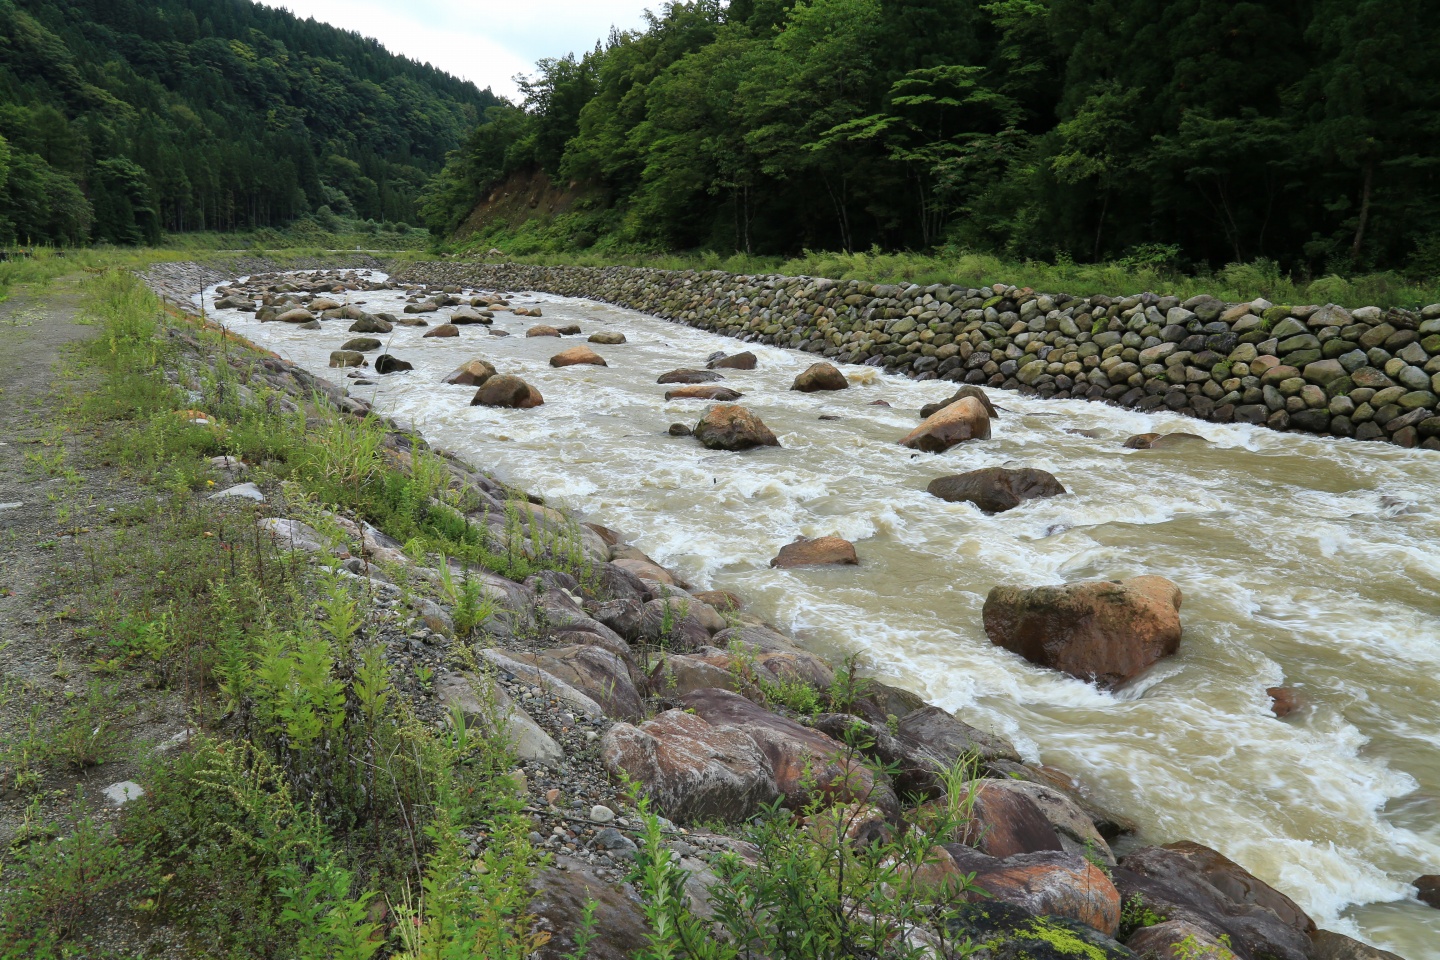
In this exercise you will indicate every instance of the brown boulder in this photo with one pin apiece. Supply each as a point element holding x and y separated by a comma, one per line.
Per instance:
<point>388,364</point>
<point>297,315</point>
<point>361,344</point>
<point>1178,940</point>
<point>679,674</point>
<point>1427,888</point>
<point>465,316</point>
<point>931,740</point>
<point>564,891</point>
<point>965,419</point>
<point>568,330</point>
<point>689,376</point>
<point>444,330</point>
<point>1006,822</point>
<point>731,427</point>
<point>740,361</point>
<point>1328,945</point>
<point>607,337</point>
<point>1104,631</point>
<point>1161,441</point>
<point>647,570</point>
<point>722,600</point>
<point>817,552</point>
<point>541,330</point>
<point>371,324</point>
<point>321,304</point>
<point>690,768</point>
<point>704,392</point>
<point>820,376</point>
<point>507,391</point>
<point>576,356</point>
<point>996,489</point>
<point>597,673</point>
<point>347,358</point>
<point>1284,701</point>
<point>801,758</point>
<point>1072,825</point>
<point>471,374</point>
<point>969,390</point>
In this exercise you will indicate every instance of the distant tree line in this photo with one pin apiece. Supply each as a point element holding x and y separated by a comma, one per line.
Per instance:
<point>120,119</point>
<point>1193,131</point>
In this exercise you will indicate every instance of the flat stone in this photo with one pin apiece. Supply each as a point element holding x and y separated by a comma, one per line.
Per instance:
<point>123,792</point>
<point>247,490</point>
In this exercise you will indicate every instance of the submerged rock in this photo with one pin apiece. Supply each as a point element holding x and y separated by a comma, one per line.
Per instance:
<point>730,427</point>
<point>740,361</point>
<point>388,364</point>
<point>703,392</point>
<point>607,337</point>
<point>362,344</point>
<point>689,376</point>
<point>963,420</point>
<point>1104,631</point>
<point>996,489</point>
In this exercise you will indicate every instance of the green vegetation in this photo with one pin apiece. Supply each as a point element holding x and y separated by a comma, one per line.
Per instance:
<point>1164,138</point>
<point>122,120</point>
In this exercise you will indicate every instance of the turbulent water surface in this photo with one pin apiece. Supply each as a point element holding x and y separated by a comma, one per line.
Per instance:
<point>1305,562</point>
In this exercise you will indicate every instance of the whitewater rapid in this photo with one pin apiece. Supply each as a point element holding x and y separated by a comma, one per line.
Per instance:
<point>1305,562</point>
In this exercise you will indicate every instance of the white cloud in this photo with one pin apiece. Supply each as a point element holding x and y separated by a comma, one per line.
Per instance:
<point>484,41</point>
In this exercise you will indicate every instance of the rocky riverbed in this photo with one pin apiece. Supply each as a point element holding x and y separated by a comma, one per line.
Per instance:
<point>766,738</point>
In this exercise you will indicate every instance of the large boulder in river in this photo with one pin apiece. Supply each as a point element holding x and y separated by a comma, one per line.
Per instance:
<point>820,376</point>
<point>704,391</point>
<point>370,324</point>
<point>740,361</point>
<point>728,426</point>
<point>1104,631</point>
<point>471,374</point>
<point>577,356</point>
<point>444,330</point>
<point>298,315</point>
<point>969,390</point>
<point>690,768</point>
<point>963,420</point>
<point>347,358</point>
<point>689,376</point>
<point>1047,884</point>
<point>608,337</point>
<point>465,316</point>
<point>996,489</point>
<point>821,551</point>
<point>541,330</point>
<point>507,391</point>
<point>362,344</point>
<point>388,364</point>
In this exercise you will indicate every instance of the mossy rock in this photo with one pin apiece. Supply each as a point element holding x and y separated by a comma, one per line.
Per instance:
<point>1275,314</point>
<point>1006,932</point>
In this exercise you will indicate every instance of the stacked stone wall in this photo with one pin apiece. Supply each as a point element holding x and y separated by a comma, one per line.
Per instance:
<point>1367,373</point>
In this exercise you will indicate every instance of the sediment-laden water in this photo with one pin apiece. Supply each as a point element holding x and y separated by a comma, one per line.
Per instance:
<point>1308,563</point>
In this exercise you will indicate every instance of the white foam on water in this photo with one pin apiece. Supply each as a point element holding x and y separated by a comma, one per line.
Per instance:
<point>1305,562</point>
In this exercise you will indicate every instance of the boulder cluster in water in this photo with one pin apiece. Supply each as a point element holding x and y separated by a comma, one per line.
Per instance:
<point>723,749</point>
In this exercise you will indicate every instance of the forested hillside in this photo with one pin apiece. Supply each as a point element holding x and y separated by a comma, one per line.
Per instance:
<point>1190,132</point>
<point>123,118</point>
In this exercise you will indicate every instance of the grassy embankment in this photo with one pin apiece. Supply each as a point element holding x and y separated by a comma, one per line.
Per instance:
<point>1145,271</point>
<point>312,812</point>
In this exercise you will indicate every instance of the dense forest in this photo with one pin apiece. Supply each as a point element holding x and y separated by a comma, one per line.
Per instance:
<point>120,119</point>
<point>1194,132</point>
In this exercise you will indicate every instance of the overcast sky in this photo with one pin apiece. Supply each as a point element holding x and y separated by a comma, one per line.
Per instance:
<point>485,41</point>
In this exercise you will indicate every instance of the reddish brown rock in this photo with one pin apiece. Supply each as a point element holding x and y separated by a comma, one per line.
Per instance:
<point>740,361</point>
<point>297,315</point>
<point>599,674</point>
<point>822,551</point>
<point>1103,631</point>
<point>321,304</point>
<point>1427,888</point>
<point>1178,940</point>
<point>1006,822</point>
<point>731,427</point>
<point>820,376</point>
<point>1329,945</point>
<point>690,768</point>
<point>507,391</point>
<point>442,331</point>
<point>472,374</point>
<point>347,358</point>
<point>540,329</point>
<point>1284,701</point>
<point>704,392</point>
<point>969,390</point>
<point>963,420</point>
<point>1048,883</point>
<point>679,674</point>
<point>722,600</point>
<point>577,356</point>
<point>564,891</point>
<point>801,758</point>
<point>647,570</point>
<point>996,489</point>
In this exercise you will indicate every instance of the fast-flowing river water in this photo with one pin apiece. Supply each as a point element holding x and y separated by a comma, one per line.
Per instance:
<point>1305,562</point>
